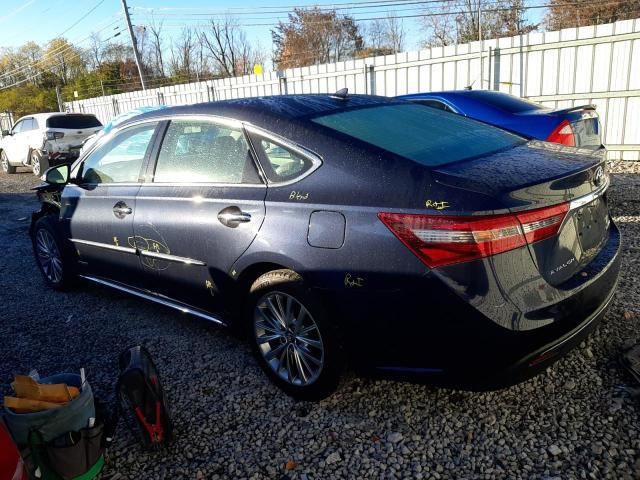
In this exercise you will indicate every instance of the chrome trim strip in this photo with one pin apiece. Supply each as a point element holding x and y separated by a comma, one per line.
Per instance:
<point>155,298</point>
<point>580,202</point>
<point>171,258</point>
<point>106,246</point>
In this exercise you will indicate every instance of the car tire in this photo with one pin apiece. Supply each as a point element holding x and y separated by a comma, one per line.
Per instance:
<point>304,358</point>
<point>4,162</point>
<point>52,258</point>
<point>38,164</point>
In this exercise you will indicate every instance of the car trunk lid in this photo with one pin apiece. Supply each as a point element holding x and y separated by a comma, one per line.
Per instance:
<point>538,175</point>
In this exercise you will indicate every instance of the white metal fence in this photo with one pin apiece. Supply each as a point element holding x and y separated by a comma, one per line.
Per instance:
<point>575,66</point>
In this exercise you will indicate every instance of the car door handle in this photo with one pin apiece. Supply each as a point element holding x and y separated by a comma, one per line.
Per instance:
<point>232,217</point>
<point>120,210</point>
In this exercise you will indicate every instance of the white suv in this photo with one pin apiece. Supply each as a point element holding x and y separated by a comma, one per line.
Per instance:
<point>45,139</point>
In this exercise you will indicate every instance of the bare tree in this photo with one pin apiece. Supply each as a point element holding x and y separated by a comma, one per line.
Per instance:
<point>155,30</point>
<point>394,33</point>
<point>182,53</point>
<point>374,34</point>
<point>95,51</point>
<point>228,47</point>
<point>459,22</point>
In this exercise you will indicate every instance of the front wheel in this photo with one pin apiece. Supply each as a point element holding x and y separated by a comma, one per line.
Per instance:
<point>291,336</point>
<point>4,162</point>
<point>50,256</point>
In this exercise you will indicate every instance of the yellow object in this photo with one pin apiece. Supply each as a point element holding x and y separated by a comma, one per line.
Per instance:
<point>26,405</point>
<point>257,69</point>
<point>26,387</point>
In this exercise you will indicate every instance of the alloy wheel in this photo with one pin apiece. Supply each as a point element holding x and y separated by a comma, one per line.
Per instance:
<point>5,162</point>
<point>35,164</point>
<point>288,338</point>
<point>49,256</point>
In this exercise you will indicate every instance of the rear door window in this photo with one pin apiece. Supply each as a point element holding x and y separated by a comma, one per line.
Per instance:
<point>120,159</point>
<point>200,151</point>
<point>73,121</point>
<point>420,133</point>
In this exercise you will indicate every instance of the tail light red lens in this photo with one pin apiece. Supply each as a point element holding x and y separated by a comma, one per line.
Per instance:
<point>440,240</point>
<point>563,134</point>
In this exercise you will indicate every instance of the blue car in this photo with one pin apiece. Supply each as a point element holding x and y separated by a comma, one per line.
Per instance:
<point>574,126</point>
<point>325,227</point>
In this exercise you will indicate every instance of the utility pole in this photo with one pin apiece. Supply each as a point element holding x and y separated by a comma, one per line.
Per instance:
<point>480,40</point>
<point>133,42</point>
<point>102,87</point>
<point>60,105</point>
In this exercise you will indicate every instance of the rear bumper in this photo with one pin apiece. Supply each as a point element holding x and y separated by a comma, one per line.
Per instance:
<point>437,337</point>
<point>58,158</point>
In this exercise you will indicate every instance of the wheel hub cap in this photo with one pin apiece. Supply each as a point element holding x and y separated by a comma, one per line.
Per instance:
<point>288,338</point>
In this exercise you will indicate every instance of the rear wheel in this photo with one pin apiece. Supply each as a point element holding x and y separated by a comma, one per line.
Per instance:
<point>4,162</point>
<point>54,265</point>
<point>38,164</point>
<point>291,336</point>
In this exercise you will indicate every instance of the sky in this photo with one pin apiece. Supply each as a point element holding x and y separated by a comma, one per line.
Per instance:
<point>42,20</point>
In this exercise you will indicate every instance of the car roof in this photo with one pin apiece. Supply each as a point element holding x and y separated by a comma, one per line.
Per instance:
<point>263,111</point>
<point>46,115</point>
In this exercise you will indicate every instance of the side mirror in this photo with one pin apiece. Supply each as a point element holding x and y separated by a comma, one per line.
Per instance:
<point>57,175</point>
<point>6,133</point>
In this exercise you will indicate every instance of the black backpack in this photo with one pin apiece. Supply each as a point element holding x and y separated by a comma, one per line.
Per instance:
<point>141,399</point>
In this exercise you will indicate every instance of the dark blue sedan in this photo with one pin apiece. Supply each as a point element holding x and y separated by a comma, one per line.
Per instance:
<point>574,126</point>
<point>327,227</point>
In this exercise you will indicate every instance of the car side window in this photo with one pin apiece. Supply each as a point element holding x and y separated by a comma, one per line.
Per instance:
<point>34,124</point>
<point>199,151</point>
<point>17,128</point>
<point>27,125</point>
<point>283,163</point>
<point>120,159</point>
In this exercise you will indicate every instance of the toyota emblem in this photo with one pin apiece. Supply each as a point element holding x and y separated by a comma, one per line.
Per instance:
<point>598,177</point>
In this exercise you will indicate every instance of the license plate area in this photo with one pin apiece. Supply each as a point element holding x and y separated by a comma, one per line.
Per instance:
<point>592,225</point>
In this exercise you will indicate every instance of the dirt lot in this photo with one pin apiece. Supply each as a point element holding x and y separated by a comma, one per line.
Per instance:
<point>581,419</point>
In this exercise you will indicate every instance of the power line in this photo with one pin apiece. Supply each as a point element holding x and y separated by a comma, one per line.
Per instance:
<point>56,52</point>
<point>425,14</point>
<point>390,4</point>
<point>333,6</point>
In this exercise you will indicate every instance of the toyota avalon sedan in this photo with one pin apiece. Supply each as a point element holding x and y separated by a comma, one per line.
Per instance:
<point>344,228</point>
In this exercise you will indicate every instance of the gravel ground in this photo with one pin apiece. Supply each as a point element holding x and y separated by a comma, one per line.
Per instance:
<point>580,419</point>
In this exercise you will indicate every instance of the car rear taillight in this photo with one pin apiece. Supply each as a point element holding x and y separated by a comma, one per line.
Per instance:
<point>54,135</point>
<point>440,240</point>
<point>563,134</point>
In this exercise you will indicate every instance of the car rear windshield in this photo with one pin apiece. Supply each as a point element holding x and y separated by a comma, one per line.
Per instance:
<point>423,134</point>
<point>507,103</point>
<point>73,121</point>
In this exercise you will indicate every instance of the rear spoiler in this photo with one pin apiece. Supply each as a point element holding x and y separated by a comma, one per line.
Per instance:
<point>575,109</point>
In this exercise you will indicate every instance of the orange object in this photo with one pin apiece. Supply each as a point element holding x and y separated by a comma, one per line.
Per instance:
<point>26,405</point>
<point>26,387</point>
